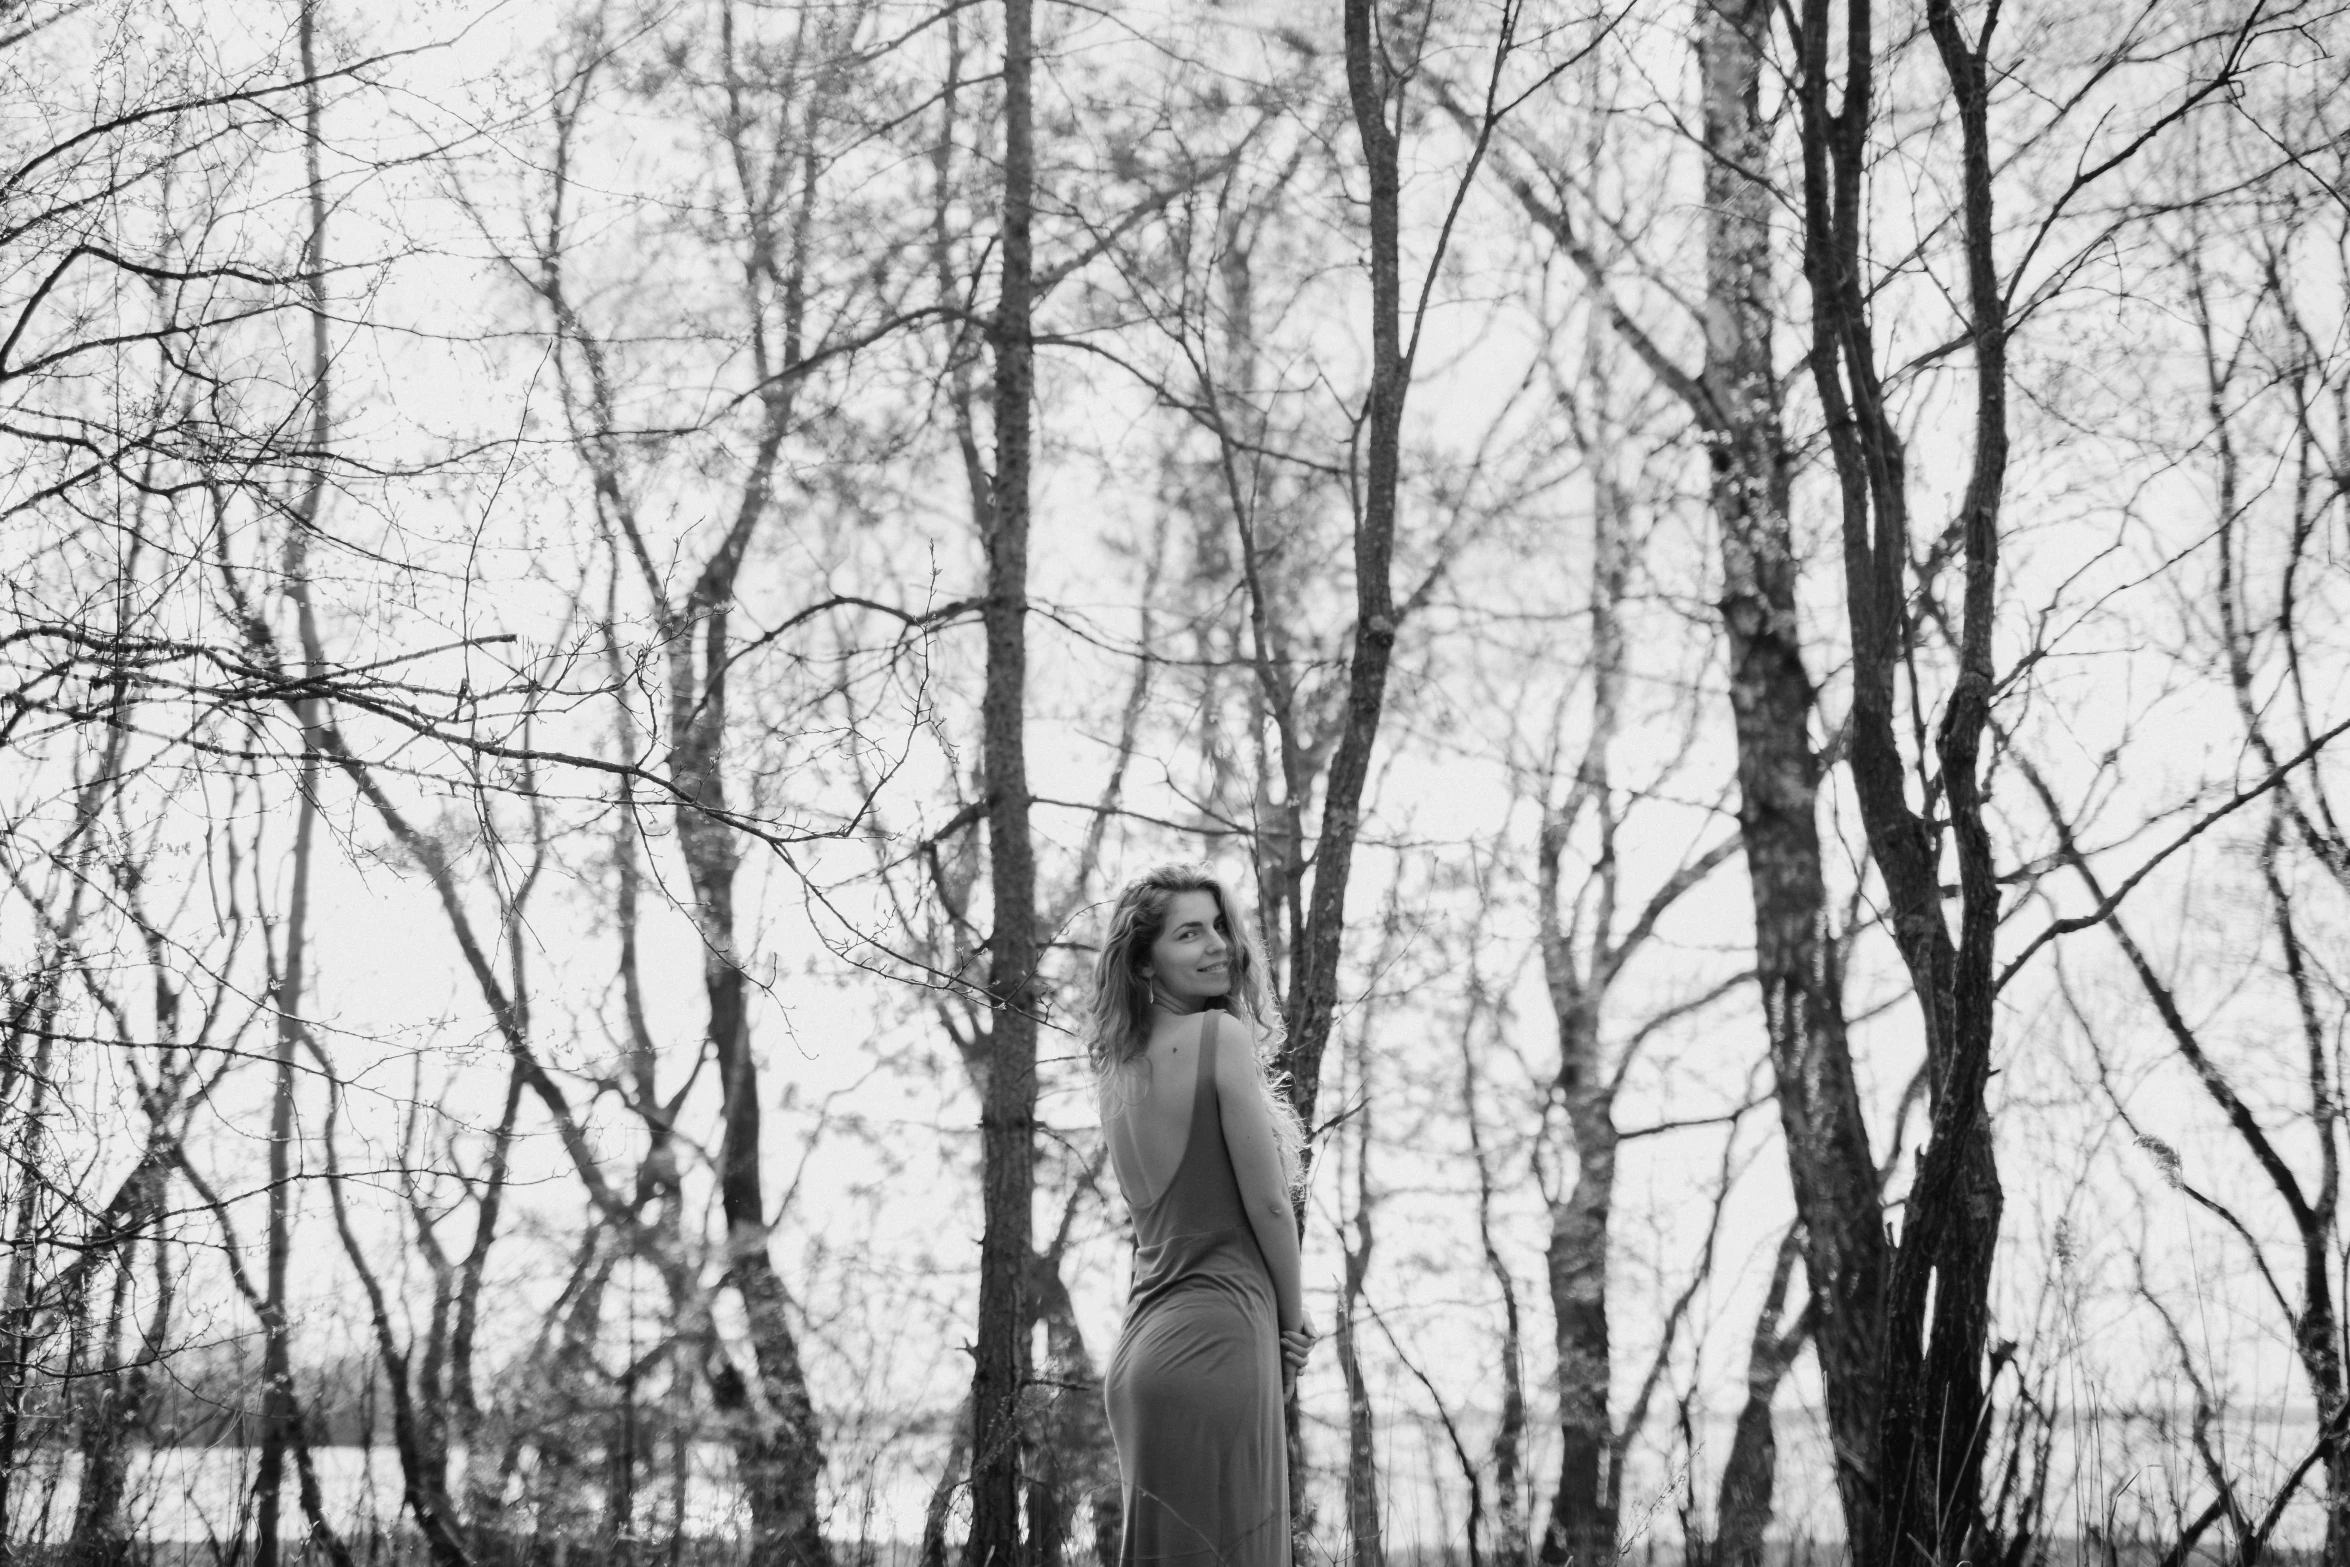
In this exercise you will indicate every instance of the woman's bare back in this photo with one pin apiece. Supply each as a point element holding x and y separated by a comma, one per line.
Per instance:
<point>1146,1110</point>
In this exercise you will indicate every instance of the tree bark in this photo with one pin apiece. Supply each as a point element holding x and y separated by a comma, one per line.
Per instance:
<point>137,1200</point>
<point>1750,1473</point>
<point>1582,1526</point>
<point>777,169</point>
<point>2314,1209</point>
<point>468,1416</point>
<point>1734,401</point>
<point>1509,1436</point>
<point>277,1395</point>
<point>951,1475</point>
<point>778,1449</point>
<point>297,1441</point>
<point>277,1376</point>
<point>1771,698</point>
<point>109,1402</point>
<point>1080,1461</point>
<point>1313,984</point>
<point>1365,1523</point>
<point>423,1470</point>
<point>1000,1370</point>
<point>1932,1425</point>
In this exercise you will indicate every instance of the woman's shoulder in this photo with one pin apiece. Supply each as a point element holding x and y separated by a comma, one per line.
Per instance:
<point>1242,1043</point>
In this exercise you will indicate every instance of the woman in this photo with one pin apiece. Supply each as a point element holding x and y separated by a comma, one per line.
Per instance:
<point>1206,1154</point>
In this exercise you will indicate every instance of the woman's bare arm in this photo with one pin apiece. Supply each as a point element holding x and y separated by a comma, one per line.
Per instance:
<point>1256,1164</point>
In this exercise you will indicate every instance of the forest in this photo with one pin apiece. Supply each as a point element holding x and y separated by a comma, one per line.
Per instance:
<point>597,597</point>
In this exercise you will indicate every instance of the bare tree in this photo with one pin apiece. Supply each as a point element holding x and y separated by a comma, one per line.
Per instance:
<point>2255,328</point>
<point>1734,401</point>
<point>1000,1371</point>
<point>130,285</point>
<point>1512,1533</point>
<point>776,103</point>
<point>1380,66</point>
<point>1750,1471</point>
<point>277,1372</point>
<point>1586,945</point>
<point>1935,1420</point>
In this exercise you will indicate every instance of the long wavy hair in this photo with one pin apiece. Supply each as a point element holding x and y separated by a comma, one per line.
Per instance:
<point>1118,1021</point>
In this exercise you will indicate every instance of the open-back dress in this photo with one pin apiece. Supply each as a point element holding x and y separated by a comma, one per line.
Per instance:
<point>1194,1388</point>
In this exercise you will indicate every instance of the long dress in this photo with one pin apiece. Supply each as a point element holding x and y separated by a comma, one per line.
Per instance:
<point>1194,1386</point>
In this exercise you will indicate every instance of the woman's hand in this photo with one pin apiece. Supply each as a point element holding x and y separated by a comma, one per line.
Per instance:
<point>1296,1345</point>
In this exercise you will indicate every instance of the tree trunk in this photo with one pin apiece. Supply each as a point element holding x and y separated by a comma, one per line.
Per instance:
<point>1313,983</point>
<point>1735,402</point>
<point>109,1403</point>
<point>2316,1335</point>
<point>1366,1537</point>
<point>1079,1455</point>
<point>423,1467</point>
<point>1365,1523</point>
<point>1312,1001</point>
<point>1750,1473</point>
<point>951,1476</point>
<point>1509,1436</point>
<point>276,1362</point>
<point>1931,1425</point>
<point>1008,1111</point>
<point>2315,1211</point>
<point>116,1395</point>
<point>24,1215</point>
<point>480,1503</point>
<point>102,1535</point>
<point>1795,968</point>
<point>1582,1527</point>
<point>770,1419</point>
<point>35,1177</point>
<point>1950,1228</point>
<point>278,1409</point>
<point>778,1449</point>
<point>562,1483</point>
<point>1771,699</point>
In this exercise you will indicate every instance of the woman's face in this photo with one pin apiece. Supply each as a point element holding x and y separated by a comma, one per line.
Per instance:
<point>1192,959</point>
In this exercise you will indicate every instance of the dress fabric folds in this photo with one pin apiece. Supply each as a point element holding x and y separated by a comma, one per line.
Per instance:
<point>1194,1386</point>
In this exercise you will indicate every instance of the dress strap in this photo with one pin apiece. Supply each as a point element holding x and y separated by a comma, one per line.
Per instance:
<point>1204,1083</point>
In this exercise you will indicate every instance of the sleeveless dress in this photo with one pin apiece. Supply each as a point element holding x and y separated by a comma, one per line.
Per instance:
<point>1194,1386</point>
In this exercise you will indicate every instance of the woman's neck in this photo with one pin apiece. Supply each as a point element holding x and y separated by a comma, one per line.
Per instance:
<point>1178,1009</point>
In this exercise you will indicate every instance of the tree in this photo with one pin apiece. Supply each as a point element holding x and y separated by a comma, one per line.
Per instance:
<point>1586,945</point>
<point>1935,1420</point>
<point>770,106</point>
<point>1734,401</point>
<point>133,288</point>
<point>1008,1119</point>
<point>2253,325</point>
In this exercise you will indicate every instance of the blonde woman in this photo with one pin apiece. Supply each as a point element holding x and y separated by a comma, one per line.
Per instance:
<point>1206,1153</point>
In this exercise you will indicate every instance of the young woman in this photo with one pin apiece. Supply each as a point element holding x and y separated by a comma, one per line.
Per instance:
<point>1206,1153</point>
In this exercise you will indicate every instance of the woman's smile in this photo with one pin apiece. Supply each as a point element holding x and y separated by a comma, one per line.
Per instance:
<point>1192,956</point>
